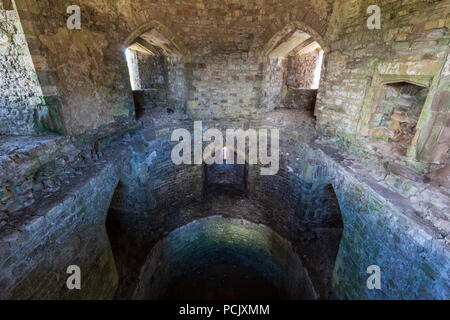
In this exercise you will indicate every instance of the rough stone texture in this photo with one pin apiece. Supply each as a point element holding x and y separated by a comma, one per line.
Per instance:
<point>412,45</point>
<point>303,99</point>
<point>298,198</point>
<point>301,69</point>
<point>37,245</point>
<point>381,226</point>
<point>148,99</point>
<point>22,106</point>
<point>342,202</point>
<point>150,71</point>
<point>91,79</point>
<point>212,240</point>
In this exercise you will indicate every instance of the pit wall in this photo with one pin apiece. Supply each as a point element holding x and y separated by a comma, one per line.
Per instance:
<point>412,45</point>
<point>216,239</point>
<point>379,229</point>
<point>152,192</point>
<point>380,226</point>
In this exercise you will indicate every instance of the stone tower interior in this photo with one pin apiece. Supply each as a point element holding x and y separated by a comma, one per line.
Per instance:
<point>87,177</point>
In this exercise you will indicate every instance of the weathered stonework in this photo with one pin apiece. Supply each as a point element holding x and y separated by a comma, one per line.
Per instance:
<point>412,45</point>
<point>216,239</point>
<point>23,109</point>
<point>364,182</point>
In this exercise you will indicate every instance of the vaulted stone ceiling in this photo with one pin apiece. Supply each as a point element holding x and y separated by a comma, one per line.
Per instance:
<point>219,25</point>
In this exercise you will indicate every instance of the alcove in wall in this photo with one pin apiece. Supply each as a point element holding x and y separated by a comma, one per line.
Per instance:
<point>302,76</point>
<point>398,107</point>
<point>156,68</point>
<point>293,61</point>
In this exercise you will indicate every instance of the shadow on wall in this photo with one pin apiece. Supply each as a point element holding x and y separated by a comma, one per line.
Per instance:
<point>396,115</point>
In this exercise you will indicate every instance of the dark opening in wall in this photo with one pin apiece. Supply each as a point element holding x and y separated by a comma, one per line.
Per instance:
<point>397,113</point>
<point>225,179</point>
<point>218,258</point>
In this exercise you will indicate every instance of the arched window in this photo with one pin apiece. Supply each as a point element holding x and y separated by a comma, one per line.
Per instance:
<point>293,71</point>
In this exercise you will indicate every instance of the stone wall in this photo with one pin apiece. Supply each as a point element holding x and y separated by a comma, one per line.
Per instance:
<point>224,86</point>
<point>378,230</point>
<point>23,110</point>
<point>273,83</point>
<point>212,240</point>
<point>178,85</point>
<point>83,74</point>
<point>148,99</point>
<point>90,79</point>
<point>39,243</point>
<point>391,217</point>
<point>301,69</point>
<point>411,45</point>
<point>389,222</point>
<point>302,99</point>
<point>152,71</point>
<point>381,225</point>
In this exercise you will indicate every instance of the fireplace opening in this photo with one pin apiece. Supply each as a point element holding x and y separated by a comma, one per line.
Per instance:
<point>396,115</point>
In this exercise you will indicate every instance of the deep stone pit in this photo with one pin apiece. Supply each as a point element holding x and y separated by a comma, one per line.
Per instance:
<point>86,176</point>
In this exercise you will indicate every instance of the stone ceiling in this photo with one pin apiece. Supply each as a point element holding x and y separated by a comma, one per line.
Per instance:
<point>217,25</point>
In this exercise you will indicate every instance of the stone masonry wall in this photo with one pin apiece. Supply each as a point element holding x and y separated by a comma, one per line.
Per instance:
<point>380,225</point>
<point>215,239</point>
<point>411,45</point>
<point>20,92</point>
<point>388,227</point>
<point>303,99</point>
<point>37,247</point>
<point>85,72</point>
<point>301,70</point>
<point>152,71</point>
